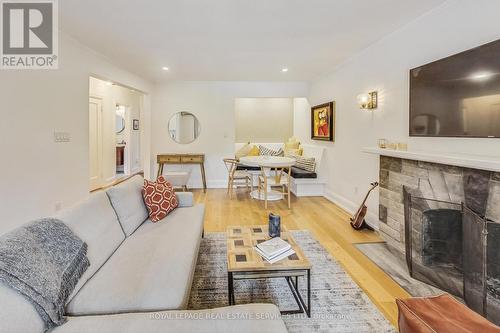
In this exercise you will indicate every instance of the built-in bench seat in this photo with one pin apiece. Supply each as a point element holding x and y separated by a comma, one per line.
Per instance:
<point>304,183</point>
<point>296,172</point>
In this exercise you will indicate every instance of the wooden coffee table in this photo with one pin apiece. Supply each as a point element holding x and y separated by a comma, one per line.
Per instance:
<point>243,262</point>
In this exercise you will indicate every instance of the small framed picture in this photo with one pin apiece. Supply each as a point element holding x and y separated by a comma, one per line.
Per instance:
<point>136,124</point>
<point>323,122</point>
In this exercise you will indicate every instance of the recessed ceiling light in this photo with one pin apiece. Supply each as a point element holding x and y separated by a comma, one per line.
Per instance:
<point>165,68</point>
<point>284,70</point>
<point>109,83</point>
<point>481,76</point>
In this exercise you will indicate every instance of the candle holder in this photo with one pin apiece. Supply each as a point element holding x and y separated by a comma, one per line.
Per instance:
<point>274,225</point>
<point>382,143</point>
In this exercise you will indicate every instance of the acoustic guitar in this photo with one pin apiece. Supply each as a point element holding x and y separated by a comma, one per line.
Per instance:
<point>358,220</point>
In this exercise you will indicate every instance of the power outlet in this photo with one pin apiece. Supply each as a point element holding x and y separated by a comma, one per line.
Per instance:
<point>58,206</point>
<point>356,190</point>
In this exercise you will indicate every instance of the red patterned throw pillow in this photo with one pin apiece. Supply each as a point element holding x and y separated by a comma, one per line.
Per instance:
<point>159,197</point>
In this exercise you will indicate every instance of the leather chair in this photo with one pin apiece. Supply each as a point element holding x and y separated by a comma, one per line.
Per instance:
<point>440,314</point>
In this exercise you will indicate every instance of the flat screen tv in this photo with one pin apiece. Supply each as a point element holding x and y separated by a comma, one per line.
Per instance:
<point>458,96</point>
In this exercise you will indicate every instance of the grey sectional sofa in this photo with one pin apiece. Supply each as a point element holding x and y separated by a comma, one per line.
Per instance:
<point>140,273</point>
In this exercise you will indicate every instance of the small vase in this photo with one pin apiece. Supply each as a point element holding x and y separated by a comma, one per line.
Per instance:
<point>274,225</point>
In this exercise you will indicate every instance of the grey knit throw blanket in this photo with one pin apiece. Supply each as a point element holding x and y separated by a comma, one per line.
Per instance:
<point>43,260</point>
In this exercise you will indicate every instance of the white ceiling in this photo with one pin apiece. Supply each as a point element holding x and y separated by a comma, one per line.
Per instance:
<point>245,40</point>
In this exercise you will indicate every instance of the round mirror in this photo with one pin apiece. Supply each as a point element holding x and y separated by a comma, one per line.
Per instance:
<point>120,118</point>
<point>120,124</point>
<point>184,127</point>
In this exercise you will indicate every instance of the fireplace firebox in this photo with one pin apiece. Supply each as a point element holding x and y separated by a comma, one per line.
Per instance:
<point>450,246</point>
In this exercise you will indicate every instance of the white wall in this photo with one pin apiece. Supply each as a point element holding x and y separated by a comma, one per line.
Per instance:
<point>36,174</point>
<point>263,119</point>
<point>110,95</point>
<point>455,26</point>
<point>213,104</point>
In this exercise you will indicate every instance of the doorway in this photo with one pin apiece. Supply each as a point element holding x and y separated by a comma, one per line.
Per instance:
<point>114,132</point>
<point>95,143</point>
<point>122,136</point>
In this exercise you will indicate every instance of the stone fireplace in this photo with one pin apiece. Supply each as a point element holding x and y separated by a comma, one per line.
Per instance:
<point>444,219</point>
<point>480,190</point>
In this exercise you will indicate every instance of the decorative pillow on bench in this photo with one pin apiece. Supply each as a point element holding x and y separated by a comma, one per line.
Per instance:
<point>159,197</point>
<point>270,152</point>
<point>305,163</point>
<point>243,151</point>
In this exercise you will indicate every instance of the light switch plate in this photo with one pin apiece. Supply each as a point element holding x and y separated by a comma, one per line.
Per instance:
<point>62,136</point>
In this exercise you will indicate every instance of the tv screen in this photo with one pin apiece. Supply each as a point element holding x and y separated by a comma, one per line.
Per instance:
<point>458,96</point>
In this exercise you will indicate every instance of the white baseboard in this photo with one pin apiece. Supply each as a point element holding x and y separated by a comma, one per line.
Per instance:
<point>350,207</point>
<point>110,179</point>
<point>210,184</point>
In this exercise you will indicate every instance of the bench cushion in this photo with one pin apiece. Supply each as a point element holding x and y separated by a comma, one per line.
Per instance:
<point>152,270</point>
<point>248,168</point>
<point>301,174</point>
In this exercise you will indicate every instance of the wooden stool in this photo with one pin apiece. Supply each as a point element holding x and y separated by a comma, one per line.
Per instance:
<point>440,314</point>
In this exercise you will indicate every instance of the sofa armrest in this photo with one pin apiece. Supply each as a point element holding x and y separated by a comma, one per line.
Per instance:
<point>185,199</point>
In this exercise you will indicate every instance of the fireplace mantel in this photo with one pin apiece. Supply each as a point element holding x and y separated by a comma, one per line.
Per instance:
<point>488,163</point>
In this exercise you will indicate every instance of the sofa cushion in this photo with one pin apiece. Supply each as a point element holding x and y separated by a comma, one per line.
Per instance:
<point>17,314</point>
<point>160,198</point>
<point>126,199</point>
<point>95,222</point>
<point>300,173</point>
<point>152,270</point>
<point>249,318</point>
<point>185,199</point>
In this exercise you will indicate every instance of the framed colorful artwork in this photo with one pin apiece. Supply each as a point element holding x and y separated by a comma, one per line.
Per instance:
<point>323,122</point>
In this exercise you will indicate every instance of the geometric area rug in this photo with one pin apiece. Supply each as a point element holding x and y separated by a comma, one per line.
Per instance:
<point>337,302</point>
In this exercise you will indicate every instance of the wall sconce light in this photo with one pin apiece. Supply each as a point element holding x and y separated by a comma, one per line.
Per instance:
<point>368,101</point>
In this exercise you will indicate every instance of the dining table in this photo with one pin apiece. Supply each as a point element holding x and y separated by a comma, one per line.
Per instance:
<point>266,164</point>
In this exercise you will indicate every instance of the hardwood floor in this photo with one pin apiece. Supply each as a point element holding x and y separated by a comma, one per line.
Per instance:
<point>327,222</point>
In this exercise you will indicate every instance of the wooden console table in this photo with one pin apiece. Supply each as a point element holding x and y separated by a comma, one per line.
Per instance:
<point>183,159</point>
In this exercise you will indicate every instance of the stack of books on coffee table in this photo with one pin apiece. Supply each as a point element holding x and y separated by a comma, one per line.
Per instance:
<point>274,250</point>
